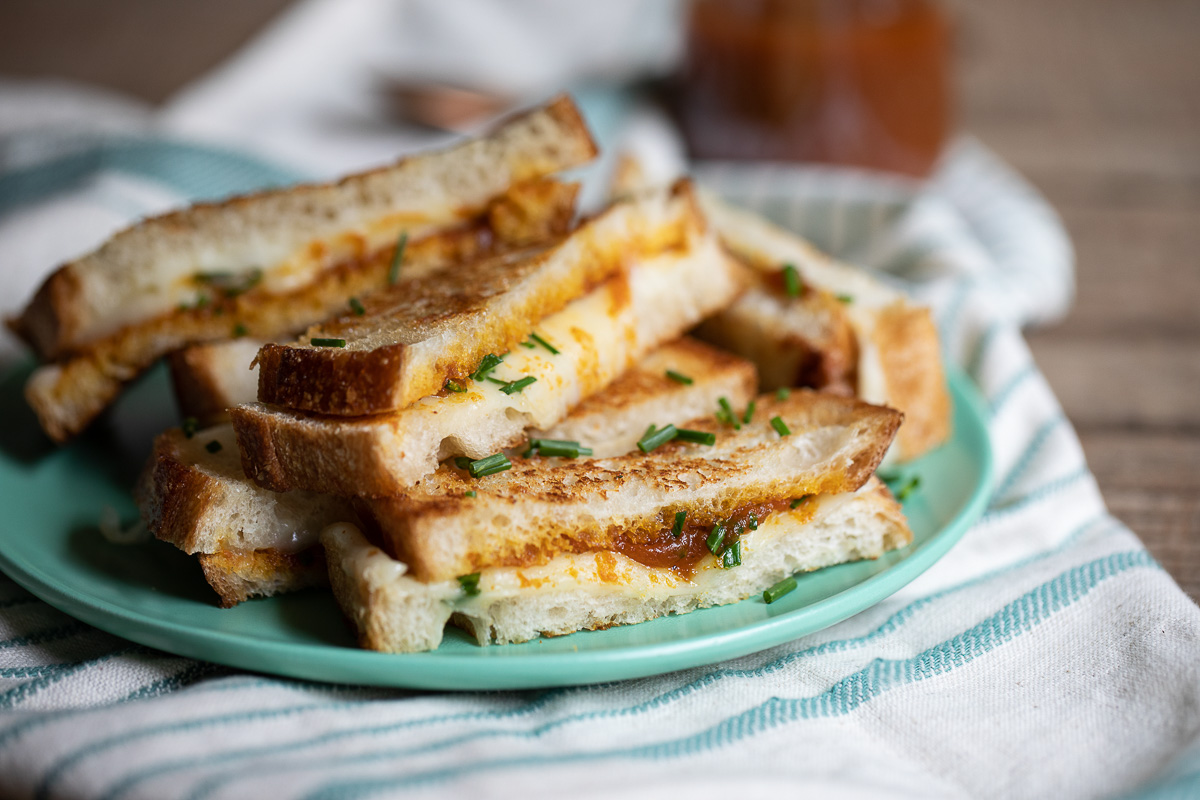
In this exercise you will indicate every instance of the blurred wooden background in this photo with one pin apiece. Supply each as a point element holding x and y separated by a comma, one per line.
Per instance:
<point>1096,101</point>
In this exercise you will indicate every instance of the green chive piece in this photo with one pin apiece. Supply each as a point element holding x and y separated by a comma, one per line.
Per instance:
<point>677,529</point>
<point>328,342</point>
<point>239,331</point>
<point>733,556</point>
<point>230,284</point>
<point>908,488</point>
<point>357,307</point>
<point>397,258</point>
<point>486,365</point>
<point>792,282</point>
<point>780,426</point>
<point>202,301</point>
<point>558,448</point>
<point>455,387</point>
<point>528,345</point>
<point>726,415</point>
<point>749,415</point>
<point>213,447</point>
<point>481,468</point>
<point>462,462</point>
<point>499,381</point>
<point>553,350</point>
<point>846,298</point>
<point>753,522</point>
<point>470,493</point>
<point>716,538</point>
<point>469,584</point>
<point>783,393</point>
<point>190,426</point>
<point>657,439</point>
<point>213,278</point>
<point>679,377</point>
<point>799,501</point>
<point>515,387</point>
<point>696,437</point>
<point>779,590</point>
<point>649,431</point>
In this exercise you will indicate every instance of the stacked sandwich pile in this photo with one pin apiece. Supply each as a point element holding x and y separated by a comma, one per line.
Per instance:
<point>432,388</point>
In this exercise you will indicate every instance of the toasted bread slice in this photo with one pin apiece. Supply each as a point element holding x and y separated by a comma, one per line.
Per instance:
<point>276,262</point>
<point>394,612</point>
<point>415,337</point>
<point>893,359</point>
<point>251,542</point>
<point>596,338</point>
<point>255,543</point>
<point>529,514</point>
<point>209,378</point>
<point>611,422</point>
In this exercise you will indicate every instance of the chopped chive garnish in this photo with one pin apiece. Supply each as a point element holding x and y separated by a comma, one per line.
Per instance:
<point>725,414</point>
<point>213,447</point>
<point>499,381</point>
<point>481,468</point>
<point>190,426</point>
<point>239,331</point>
<point>397,258</point>
<point>486,365</point>
<point>783,393</point>
<point>696,437</point>
<point>733,556</point>
<point>677,528</point>
<point>846,298</point>
<point>557,448</point>
<point>749,415</point>
<point>328,342</point>
<point>357,307</point>
<point>752,523</point>
<point>528,345</point>
<point>456,387</point>
<point>469,493</point>
<point>650,431</point>
<point>780,426</point>
<point>515,387</point>
<point>469,584</point>
<point>553,350</point>
<point>230,284</point>
<point>799,501</point>
<point>462,462</point>
<point>779,590</point>
<point>908,488</point>
<point>715,539</point>
<point>679,377</point>
<point>202,301</point>
<point>657,439</point>
<point>791,281</point>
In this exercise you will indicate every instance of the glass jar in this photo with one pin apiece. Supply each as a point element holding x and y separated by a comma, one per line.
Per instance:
<point>857,82</point>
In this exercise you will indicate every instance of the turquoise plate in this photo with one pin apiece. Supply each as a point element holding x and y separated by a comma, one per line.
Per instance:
<point>153,594</point>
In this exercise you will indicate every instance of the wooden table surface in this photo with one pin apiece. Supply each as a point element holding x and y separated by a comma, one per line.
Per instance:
<point>1097,102</point>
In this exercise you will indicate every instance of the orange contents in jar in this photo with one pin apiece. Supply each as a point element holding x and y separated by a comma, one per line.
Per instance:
<point>859,82</point>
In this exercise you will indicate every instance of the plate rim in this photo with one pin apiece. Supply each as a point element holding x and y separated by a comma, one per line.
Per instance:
<point>434,670</point>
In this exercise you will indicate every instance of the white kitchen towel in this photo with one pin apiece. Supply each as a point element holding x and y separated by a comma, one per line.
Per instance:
<point>1047,655</point>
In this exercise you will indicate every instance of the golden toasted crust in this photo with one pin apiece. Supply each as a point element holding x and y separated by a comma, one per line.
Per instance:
<point>529,513</point>
<point>239,575</point>
<point>415,337</point>
<point>62,316</point>
<point>907,341</point>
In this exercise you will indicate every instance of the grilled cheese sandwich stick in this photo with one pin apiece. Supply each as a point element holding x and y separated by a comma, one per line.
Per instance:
<point>254,542</point>
<point>594,339</point>
<point>893,357</point>
<point>395,612</point>
<point>413,338</point>
<point>280,260</point>
<point>809,443</point>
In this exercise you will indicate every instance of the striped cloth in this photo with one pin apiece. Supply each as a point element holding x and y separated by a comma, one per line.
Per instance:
<point>1047,655</point>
